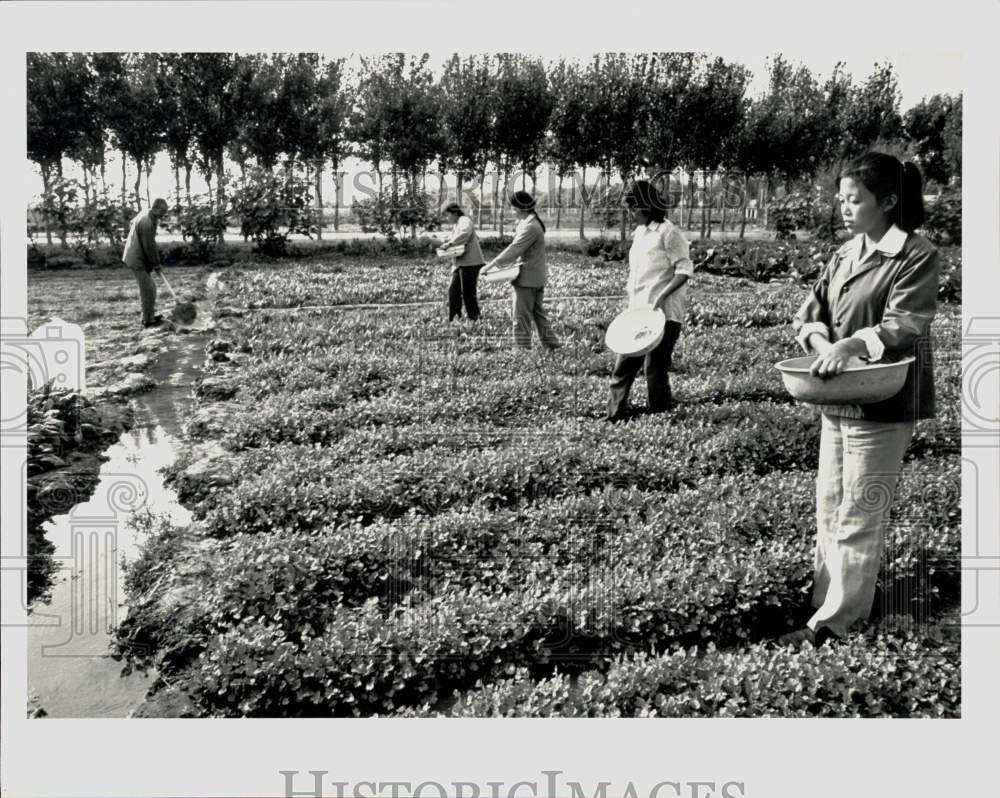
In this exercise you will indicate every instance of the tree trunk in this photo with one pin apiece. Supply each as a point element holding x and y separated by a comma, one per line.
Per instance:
<point>496,201</point>
<point>337,197</point>
<point>319,199</point>
<point>572,192</point>
<point>187,182</point>
<point>413,204</point>
<point>149,168</point>
<point>104,182</point>
<point>624,213</point>
<point>706,210</point>
<point>743,205</point>
<point>724,202</point>
<point>62,215</point>
<point>441,188</point>
<point>682,203</point>
<point>704,203</point>
<point>559,203</point>
<point>208,191</point>
<point>86,186</point>
<point>501,202</point>
<point>46,203</point>
<point>138,184</point>
<point>394,207</point>
<point>124,190</point>
<point>177,187</point>
<point>583,201</point>
<point>482,198</point>
<point>691,199</point>
<point>220,188</point>
<point>763,200</point>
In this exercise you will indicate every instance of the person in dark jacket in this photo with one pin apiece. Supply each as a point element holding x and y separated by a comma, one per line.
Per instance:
<point>142,257</point>
<point>465,267</point>
<point>874,301</point>
<point>527,250</point>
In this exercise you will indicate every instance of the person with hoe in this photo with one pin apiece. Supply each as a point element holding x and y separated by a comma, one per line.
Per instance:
<point>465,267</point>
<point>874,301</point>
<point>659,269</point>
<point>527,250</point>
<point>142,257</point>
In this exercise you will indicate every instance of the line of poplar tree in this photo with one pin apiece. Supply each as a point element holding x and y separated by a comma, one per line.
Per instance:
<point>618,115</point>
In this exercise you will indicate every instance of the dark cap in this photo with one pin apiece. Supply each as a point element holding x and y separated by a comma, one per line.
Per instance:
<point>522,200</point>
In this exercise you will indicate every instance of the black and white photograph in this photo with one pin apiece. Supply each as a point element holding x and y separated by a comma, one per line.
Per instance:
<point>483,380</point>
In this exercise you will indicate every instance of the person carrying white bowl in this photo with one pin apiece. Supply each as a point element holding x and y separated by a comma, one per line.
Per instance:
<point>527,251</point>
<point>659,269</point>
<point>465,267</point>
<point>874,300</point>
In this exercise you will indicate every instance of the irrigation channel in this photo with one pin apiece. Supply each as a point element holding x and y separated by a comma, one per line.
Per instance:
<point>71,673</point>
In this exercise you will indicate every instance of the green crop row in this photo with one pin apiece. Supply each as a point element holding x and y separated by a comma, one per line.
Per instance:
<point>388,278</point>
<point>432,595</point>
<point>301,487</point>
<point>895,670</point>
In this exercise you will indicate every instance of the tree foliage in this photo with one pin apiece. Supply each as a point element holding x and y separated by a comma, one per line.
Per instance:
<point>628,114</point>
<point>466,115</point>
<point>523,107</point>
<point>927,127</point>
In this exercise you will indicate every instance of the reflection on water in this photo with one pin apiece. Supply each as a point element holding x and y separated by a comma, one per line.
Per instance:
<point>69,668</point>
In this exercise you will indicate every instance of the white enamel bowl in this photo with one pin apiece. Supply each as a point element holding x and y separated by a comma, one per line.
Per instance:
<point>855,385</point>
<point>635,332</point>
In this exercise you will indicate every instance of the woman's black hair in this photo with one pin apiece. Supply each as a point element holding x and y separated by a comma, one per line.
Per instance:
<point>884,175</point>
<point>643,195</point>
<point>455,208</point>
<point>523,201</point>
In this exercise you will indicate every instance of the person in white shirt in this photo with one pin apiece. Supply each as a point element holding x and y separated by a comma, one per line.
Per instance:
<point>659,268</point>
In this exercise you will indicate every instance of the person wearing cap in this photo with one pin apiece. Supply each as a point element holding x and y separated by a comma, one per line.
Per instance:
<point>659,268</point>
<point>527,250</point>
<point>465,267</point>
<point>143,258</point>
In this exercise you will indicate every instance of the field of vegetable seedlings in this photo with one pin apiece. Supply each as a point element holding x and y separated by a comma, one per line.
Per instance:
<point>398,516</point>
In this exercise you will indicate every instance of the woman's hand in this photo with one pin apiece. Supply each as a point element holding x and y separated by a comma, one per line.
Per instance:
<point>838,356</point>
<point>817,343</point>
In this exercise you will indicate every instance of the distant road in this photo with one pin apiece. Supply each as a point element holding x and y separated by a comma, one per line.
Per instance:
<point>565,234</point>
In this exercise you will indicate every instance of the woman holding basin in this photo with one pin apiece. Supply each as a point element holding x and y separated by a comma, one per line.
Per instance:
<point>527,251</point>
<point>465,267</point>
<point>874,301</point>
<point>659,268</point>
